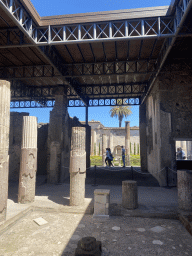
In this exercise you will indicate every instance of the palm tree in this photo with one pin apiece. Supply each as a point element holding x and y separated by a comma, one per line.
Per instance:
<point>120,112</point>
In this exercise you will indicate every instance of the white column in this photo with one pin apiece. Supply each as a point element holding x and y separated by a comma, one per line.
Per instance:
<point>28,164</point>
<point>4,145</point>
<point>77,166</point>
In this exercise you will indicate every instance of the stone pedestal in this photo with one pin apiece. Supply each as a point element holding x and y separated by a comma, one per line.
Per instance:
<point>28,165</point>
<point>129,194</point>
<point>104,146</point>
<point>4,145</point>
<point>127,143</point>
<point>184,186</point>
<point>101,202</point>
<point>77,166</point>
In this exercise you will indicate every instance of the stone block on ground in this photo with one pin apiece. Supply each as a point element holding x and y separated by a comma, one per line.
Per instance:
<point>101,202</point>
<point>129,194</point>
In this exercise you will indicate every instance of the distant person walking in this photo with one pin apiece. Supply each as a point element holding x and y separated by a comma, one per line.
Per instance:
<point>123,155</point>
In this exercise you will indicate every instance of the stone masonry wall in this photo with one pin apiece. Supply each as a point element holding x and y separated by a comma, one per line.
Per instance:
<point>169,118</point>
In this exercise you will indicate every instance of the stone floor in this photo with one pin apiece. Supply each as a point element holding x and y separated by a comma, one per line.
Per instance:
<point>152,229</point>
<point>119,235</point>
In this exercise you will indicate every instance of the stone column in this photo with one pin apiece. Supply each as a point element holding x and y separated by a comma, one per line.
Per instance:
<point>77,166</point>
<point>4,145</point>
<point>184,185</point>
<point>88,146</point>
<point>28,165</point>
<point>104,146</point>
<point>111,141</point>
<point>143,137</point>
<point>127,143</point>
<point>93,146</point>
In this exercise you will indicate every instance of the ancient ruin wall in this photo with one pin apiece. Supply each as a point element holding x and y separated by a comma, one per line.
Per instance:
<point>168,118</point>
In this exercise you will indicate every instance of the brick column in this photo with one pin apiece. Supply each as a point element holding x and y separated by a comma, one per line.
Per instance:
<point>28,165</point>
<point>104,146</point>
<point>77,166</point>
<point>127,143</point>
<point>4,145</point>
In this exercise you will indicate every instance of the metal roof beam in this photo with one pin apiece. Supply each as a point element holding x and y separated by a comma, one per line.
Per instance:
<point>77,69</point>
<point>182,9</point>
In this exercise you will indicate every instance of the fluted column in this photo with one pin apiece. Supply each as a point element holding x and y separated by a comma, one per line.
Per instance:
<point>28,165</point>
<point>93,146</point>
<point>77,166</point>
<point>4,145</point>
<point>104,146</point>
<point>127,142</point>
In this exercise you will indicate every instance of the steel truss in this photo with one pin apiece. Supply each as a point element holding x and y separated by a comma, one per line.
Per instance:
<point>97,31</point>
<point>110,90</point>
<point>76,103</point>
<point>181,10</point>
<point>78,69</point>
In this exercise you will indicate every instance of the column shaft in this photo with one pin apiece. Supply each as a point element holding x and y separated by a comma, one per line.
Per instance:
<point>104,146</point>
<point>4,145</point>
<point>127,142</point>
<point>77,166</point>
<point>28,165</point>
<point>93,135</point>
<point>111,141</point>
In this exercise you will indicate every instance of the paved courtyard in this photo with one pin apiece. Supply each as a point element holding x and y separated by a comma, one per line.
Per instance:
<point>119,235</point>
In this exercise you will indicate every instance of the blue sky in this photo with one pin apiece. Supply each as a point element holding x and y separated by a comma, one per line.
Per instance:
<point>61,7</point>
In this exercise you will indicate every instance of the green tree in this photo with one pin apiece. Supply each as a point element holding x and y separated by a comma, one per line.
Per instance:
<point>120,112</point>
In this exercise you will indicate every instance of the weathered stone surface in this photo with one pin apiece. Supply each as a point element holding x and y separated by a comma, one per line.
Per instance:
<point>129,194</point>
<point>28,165</point>
<point>184,185</point>
<point>88,246</point>
<point>101,202</point>
<point>58,140</point>
<point>77,166</point>
<point>15,139</point>
<point>4,145</point>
